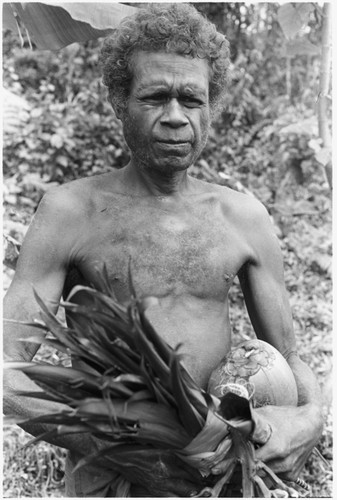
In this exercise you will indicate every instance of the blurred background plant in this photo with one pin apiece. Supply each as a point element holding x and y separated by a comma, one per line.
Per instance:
<point>271,141</point>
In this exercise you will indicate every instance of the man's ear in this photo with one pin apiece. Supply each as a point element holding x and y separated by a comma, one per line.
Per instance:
<point>117,108</point>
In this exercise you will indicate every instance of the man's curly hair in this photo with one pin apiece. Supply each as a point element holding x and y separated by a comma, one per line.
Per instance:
<point>175,28</point>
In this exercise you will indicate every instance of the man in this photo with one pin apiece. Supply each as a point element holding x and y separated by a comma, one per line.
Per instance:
<point>166,70</point>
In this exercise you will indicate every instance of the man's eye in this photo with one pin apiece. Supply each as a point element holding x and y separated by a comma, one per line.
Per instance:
<point>191,102</point>
<point>156,98</point>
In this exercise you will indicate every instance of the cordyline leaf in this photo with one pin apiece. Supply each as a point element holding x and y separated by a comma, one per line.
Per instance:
<point>122,487</point>
<point>131,283</point>
<point>217,488</point>
<point>159,344</point>
<point>102,341</point>
<point>191,419</point>
<point>62,333</point>
<point>260,488</point>
<point>140,396</point>
<point>160,394</point>
<point>41,339</point>
<point>149,411</point>
<point>34,324</point>
<point>210,460</point>
<point>52,318</point>
<point>56,398</point>
<point>114,327</point>
<point>147,349</point>
<point>54,375</point>
<point>160,435</point>
<point>45,436</point>
<point>154,423</point>
<point>119,453</point>
<point>13,419</point>
<point>65,417</point>
<point>121,359</point>
<point>98,300</point>
<point>212,433</point>
<point>78,343</point>
<point>118,389</point>
<point>60,430</point>
<point>196,398</point>
<point>130,378</point>
<point>107,357</point>
<point>104,284</point>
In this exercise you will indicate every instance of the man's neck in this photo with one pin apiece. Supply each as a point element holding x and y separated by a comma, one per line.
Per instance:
<point>152,182</point>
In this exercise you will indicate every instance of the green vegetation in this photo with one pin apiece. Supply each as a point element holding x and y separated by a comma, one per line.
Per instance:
<point>266,143</point>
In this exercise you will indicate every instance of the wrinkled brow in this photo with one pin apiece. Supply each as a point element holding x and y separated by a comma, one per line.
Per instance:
<point>164,85</point>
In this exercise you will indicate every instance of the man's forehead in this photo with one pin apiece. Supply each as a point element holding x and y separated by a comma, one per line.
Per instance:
<point>161,82</point>
<point>161,68</point>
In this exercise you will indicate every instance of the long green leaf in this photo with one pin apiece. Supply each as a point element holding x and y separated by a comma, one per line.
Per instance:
<point>190,418</point>
<point>104,282</point>
<point>159,394</point>
<point>54,375</point>
<point>41,339</point>
<point>163,349</point>
<point>52,318</point>
<point>121,454</point>
<point>35,324</point>
<point>115,355</point>
<point>100,300</point>
<point>158,365</point>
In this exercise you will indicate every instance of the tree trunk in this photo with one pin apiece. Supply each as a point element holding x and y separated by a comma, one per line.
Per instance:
<point>324,87</point>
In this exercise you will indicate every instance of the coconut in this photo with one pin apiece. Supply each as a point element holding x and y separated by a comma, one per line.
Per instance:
<point>255,370</point>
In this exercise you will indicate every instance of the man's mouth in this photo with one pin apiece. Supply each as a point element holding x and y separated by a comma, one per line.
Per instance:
<point>172,141</point>
<point>174,147</point>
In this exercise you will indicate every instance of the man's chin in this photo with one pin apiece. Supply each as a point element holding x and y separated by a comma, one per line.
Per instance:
<point>171,166</point>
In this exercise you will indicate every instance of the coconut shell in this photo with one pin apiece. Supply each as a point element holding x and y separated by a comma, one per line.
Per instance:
<point>255,370</point>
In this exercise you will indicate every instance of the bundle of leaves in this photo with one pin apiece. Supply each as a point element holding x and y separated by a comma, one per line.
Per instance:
<point>138,397</point>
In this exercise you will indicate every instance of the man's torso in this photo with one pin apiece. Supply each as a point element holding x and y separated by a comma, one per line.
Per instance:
<point>185,251</point>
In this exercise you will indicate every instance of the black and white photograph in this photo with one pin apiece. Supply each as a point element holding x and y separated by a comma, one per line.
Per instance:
<point>167,249</point>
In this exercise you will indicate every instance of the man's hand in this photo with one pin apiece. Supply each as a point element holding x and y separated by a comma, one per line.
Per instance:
<point>295,431</point>
<point>159,474</point>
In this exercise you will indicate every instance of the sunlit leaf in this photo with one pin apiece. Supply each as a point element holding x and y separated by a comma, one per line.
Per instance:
<point>290,20</point>
<point>323,156</point>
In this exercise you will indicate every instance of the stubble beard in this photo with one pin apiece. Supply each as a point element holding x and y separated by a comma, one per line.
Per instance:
<point>143,159</point>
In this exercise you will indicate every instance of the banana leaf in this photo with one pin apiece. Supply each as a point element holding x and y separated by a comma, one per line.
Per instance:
<point>53,25</point>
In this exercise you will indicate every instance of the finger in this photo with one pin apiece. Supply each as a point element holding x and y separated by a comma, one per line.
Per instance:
<point>283,469</point>
<point>279,494</point>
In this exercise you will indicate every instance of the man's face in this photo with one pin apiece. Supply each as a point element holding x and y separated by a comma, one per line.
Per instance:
<point>167,118</point>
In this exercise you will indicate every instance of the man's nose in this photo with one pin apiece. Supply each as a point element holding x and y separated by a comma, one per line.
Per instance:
<point>174,115</point>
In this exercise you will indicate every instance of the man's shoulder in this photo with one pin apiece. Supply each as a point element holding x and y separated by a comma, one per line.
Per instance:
<point>242,206</point>
<point>78,196</point>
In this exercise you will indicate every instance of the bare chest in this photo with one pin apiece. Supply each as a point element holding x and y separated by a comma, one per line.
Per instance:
<point>191,250</point>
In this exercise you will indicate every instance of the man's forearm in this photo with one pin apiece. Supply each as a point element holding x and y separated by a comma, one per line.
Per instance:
<point>307,385</point>
<point>309,393</point>
<point>26,408</point>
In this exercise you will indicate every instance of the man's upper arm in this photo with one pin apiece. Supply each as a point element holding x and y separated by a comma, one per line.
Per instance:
<point>262,282</point>
<point>42,265</point>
